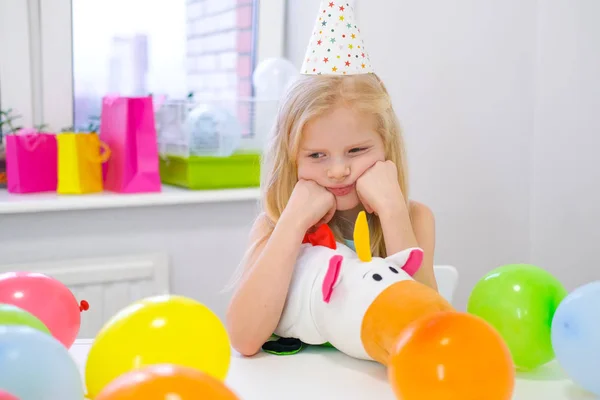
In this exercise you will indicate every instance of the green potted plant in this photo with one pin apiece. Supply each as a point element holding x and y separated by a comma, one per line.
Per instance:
<point>92,127</point>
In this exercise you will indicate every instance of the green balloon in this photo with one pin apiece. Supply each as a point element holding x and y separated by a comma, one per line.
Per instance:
<point>13,315</point>
<point>519,300</point>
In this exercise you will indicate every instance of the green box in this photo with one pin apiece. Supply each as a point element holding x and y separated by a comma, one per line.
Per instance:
<point>240,170</point>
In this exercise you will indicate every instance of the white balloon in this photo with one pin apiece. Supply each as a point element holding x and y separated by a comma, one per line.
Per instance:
<point>273,76</point>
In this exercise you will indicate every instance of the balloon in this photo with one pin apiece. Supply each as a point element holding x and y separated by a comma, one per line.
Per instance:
<point>13,315</point>
<point>519,300</point>
<point>158,330</point>
<point>576,336</point>
<point>46,298</point>
<point>157,382</point>
<point>7,396</point>
<point>36,366</point>
<point>272,77</point>
<point>451,356</point>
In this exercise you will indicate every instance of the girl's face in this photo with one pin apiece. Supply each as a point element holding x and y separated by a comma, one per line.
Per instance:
<point>336,149</point>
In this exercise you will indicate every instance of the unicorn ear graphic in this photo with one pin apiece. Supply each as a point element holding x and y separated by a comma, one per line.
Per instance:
<point>362,242</point>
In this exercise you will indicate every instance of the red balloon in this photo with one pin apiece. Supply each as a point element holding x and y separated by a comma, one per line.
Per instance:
<point>46,298</point>
<point>7,396</point>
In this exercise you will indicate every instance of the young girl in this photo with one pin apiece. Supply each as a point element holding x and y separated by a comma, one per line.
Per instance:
<point>336,149</point>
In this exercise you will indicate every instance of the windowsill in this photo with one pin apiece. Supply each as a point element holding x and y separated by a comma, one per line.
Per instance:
<point>48,202</point>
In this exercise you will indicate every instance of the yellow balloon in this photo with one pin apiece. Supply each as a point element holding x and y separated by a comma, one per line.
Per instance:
<point>158,330</point>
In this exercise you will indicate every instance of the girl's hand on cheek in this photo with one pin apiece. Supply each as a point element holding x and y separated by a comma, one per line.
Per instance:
<point>378,188</point>
<point>311,204</point>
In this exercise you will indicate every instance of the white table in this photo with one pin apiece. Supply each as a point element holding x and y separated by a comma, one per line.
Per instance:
<point>320,373</point>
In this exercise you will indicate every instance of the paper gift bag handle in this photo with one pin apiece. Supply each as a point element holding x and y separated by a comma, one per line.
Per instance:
<point>32,138</point>
<point>104,154</point>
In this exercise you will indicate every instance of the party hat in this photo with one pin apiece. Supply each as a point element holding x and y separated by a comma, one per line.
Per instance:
<point>336,46</point>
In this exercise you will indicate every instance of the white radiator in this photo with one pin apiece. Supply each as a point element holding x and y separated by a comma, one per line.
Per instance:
<point>107,284</point>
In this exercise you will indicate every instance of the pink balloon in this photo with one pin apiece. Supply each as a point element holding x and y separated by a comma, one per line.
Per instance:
<point>46,298</point>
<point>7,396</point>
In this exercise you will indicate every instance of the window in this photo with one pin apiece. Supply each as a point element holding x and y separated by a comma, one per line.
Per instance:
<point>15,60</point>
<point>63,55</point>
<point>171,48</point>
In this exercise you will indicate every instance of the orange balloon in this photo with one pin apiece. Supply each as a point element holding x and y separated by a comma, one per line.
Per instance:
<point>165,382</point>
<point>451,356</point>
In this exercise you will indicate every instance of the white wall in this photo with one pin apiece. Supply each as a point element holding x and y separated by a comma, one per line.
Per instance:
<point>204,242</point>
<point>463,78</point>
<point>565,209</point>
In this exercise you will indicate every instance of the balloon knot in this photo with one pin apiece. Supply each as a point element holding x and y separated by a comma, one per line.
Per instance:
<point>84,305</point>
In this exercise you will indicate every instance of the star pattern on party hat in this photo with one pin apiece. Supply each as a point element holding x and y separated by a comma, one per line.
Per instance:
<point>336,46</point>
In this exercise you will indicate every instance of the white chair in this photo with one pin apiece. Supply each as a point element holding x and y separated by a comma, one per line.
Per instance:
<point>447,280</point>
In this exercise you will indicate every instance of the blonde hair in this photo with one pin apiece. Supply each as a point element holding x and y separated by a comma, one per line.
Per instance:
<point>310,97</point>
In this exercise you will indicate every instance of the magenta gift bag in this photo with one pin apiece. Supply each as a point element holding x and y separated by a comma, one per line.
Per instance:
<point>31,162</point>
<point>127,127</point>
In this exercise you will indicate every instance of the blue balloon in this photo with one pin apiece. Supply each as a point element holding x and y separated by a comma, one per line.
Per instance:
<point>36,366</point>
<point>576,336</point>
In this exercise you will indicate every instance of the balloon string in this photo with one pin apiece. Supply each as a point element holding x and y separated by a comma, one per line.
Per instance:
<point>84,306</point>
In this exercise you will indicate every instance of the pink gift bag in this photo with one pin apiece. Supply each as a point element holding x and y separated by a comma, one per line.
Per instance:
<point>127,127</point>
<point>31,162</point>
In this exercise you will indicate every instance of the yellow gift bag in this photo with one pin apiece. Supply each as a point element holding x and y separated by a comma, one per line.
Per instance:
<point>80,158</point>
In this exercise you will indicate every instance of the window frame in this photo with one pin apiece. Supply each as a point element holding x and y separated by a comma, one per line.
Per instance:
<point>41,79</point>
<point>17,67</point>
